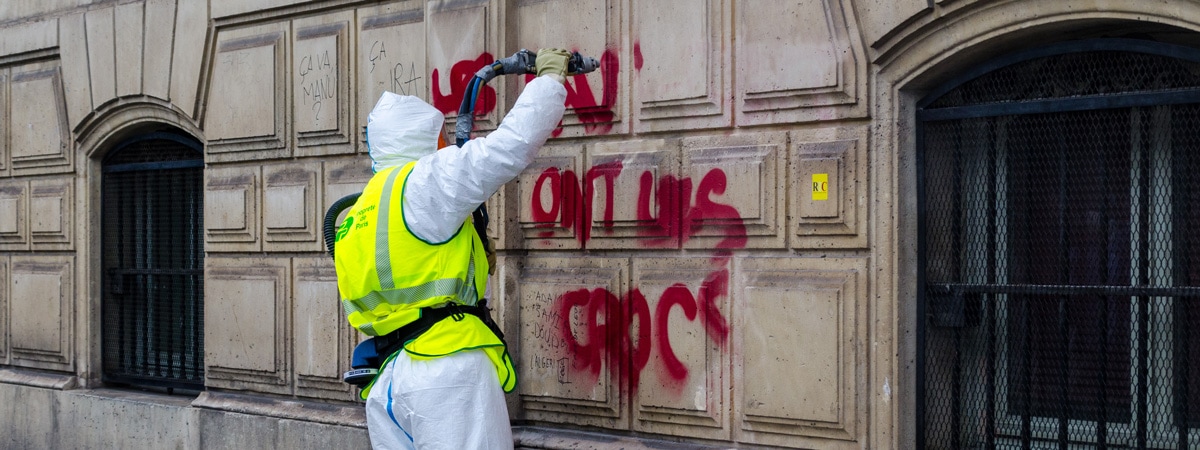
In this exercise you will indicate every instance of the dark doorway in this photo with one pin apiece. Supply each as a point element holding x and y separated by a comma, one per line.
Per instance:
<point>1060,273</point>
<point>153,262</point>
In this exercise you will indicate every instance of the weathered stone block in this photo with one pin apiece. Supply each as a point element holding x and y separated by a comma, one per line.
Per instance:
<point>231,209</point>
<point>101,54</point>
<point>247,100</point>
<point>76,74</point>
<point>596,104</point>
<point>460,38</point>
<point>52,213</point>
<point>569,371</point>
<point>680,312</point>
<point>391,57</point>
<point>321,80</point>
<point>28,37</point>
<point>322,339</point>
<point>14,215</point>
<point>737,191</point>
<point>39,139</point>
<point>4,301</point>
<point>798,60</point>
<point>191,27</point>
<point>802,335</point>
<point>129,37</point>
<point>635,195</point>
<point>291,221</point>
<point>246,317</point>
<point>43,296</point>
<point>828,181</point>
<point>681,73</point>
<point>548,197</point>
<point>159,32</point>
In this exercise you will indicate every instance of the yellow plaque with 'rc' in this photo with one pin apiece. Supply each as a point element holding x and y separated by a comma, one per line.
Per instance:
<point>820,186</point>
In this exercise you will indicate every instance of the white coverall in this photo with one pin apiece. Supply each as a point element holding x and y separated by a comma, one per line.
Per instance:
<point>454,402</point>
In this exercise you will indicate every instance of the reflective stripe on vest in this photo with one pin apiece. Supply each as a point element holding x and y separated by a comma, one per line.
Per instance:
<point>386,274</point>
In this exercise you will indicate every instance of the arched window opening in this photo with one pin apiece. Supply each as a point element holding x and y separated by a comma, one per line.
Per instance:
<point>153,263</point>
<point>1060,274</point>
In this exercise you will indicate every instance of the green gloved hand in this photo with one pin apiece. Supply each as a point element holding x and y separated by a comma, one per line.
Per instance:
<point>553,61</point>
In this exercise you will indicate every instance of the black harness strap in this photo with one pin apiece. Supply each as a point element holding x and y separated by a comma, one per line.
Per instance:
<point>390,343</point>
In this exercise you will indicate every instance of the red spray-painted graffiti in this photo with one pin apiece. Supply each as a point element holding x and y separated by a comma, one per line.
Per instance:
<point>571,202</point>
<point>596,324</point>
<point>596,114</point>
<point>460,75</point>
<point>571,205</point>
<point>638,60</point>
<point>607,322</point>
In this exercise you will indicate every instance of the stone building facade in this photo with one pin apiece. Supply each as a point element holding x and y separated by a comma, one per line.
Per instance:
<point>718,248</point>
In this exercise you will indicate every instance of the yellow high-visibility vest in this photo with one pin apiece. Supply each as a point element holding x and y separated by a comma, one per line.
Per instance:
<point>386,275</point>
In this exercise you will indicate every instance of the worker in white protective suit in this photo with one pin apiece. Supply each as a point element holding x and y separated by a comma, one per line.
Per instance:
<point>412,269</point>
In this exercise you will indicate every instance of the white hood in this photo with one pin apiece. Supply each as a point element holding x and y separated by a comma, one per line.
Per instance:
<point>400,129</point>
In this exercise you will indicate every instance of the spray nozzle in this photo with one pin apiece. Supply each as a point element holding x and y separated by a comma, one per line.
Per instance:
<point>579,64</point>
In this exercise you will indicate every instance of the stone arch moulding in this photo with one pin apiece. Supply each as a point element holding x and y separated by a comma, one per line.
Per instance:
<point>118,120</point>
<point>909,61</point>
<point>913,56</point>
<point>96,134</point>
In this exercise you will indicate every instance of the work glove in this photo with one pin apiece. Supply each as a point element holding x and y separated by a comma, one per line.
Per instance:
<point>553,61</point>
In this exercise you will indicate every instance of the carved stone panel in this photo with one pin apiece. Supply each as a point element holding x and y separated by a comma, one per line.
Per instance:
<point>246,304</point>
<point>737,191</point>
<point>52,213</point>
<point>462,37</point>
<point>570,368</point>
<point>14,215</point>
<point>636,195</point>
<point>391,56</point>
<point>551,200</point>
<point>829,185</point>
<point>43,296</point>
<point>231,209</point>
<point>797,356</point>
<point>595,101</point>
<point>39,140</point>
<point>247,99</point>
<point>681,317</point>
<point>322,340</point>
<point>291,193</point>
<point>681,70</point>
<point>321,85</point>
<point>798,61</point>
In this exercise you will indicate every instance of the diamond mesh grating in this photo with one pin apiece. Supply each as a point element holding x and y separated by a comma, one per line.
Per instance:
<point>1061,278</point>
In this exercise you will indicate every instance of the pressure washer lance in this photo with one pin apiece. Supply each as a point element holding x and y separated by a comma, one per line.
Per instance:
<point>525,62</point>
<point>521,62</point>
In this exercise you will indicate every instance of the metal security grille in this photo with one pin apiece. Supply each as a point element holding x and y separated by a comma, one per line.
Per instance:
<point>1060,260</point>
<point>153,263</point>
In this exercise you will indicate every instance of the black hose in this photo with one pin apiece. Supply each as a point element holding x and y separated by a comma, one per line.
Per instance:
<point>331,216</point>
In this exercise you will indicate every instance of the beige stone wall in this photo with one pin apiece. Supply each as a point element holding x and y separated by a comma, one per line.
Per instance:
<point>717,246</point>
